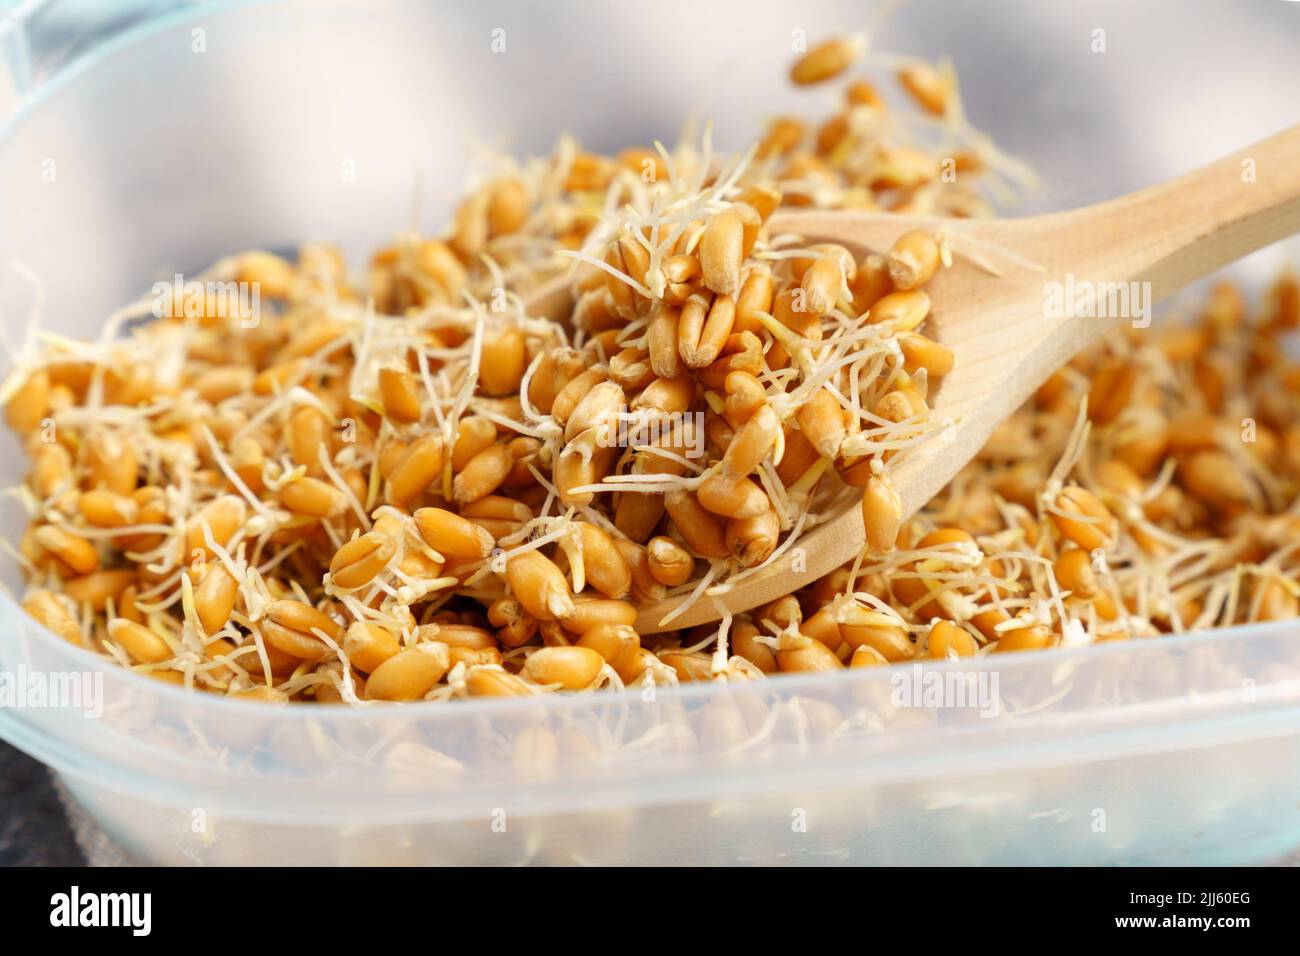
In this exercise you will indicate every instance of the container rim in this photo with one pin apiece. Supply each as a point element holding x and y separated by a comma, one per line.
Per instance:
<point>684,693</point>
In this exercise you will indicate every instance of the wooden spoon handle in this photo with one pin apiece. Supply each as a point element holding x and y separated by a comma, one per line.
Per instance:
<point>1183,229</point>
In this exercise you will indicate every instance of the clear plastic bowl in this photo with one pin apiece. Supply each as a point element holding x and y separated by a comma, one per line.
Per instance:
<point>1172,751</point>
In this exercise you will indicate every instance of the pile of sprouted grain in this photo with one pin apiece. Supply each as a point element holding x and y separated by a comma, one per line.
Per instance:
<point>412,488</point>
<point>1148,488</point>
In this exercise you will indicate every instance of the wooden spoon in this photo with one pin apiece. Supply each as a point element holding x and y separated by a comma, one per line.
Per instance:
<point>1006,339</point>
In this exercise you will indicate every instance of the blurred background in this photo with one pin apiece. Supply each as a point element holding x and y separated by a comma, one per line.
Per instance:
<point>179,131</point>
<point>142,138</point>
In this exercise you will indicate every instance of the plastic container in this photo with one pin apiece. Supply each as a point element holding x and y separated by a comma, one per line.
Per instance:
<point>1169,751</point>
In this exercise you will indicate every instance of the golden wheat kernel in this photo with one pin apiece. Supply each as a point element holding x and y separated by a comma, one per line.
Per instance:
<point>539,584</point>
<point>825,60</point>
<point>806,655</point>
<point>308,434</point>
<point>473,434</point>
<point>140,644</point>
<point>931,88</point>
<point>882,513</point>
<point>1032,638</point>
<point>272,274</point>
<point>553,634</point>
<point>574,392</point>
<point>508,204</point>
<point>361,559</point>
<point>262,694</point>
<point>573,668</point>
<point>822,626</point>
<point>515,626</point>
<point>475,657</point>
<point>483,474</point>
<point>497,507</point>
<point>30,404</point>
<point>452,535</point>
<point>913,260</point>
<point>604,566</point>
<point>946,639</point>
<point>579,466</point>
<point>504,361</point>
<point>1275,597</point>
<point>597,409</point>
<point>688,667</point>
<point>616,643</point>
<point>455,634</point>
<point>870,283</point>
<point>108,509</point>
<point>590,611</point>
<point>644,586</point>
<point>1079,516</point>
<point>409,674</point>
<point>703,329</point>
<point>822,285</point>
<point>743,639</point>
<point>52,611</point>
<point>51,470</point>
<point>744,394</point>
<point>631,368</point>
<point>277,378</point>
<point>417,467</point>
<point>314,498</point>
<point>223,516</point>
<point>878,631</point>
<point>732,497</point>
<point>399,395</point>
<point>1216,478</point>
<point>903,311</point>
<point>920,352</point>
<point>668,395</point>
<point>631,668</point>
<point>784,134</point>
<point>110,462</point>
<point>752,443</point>
<point>821,419</point>
<point>755,296</point>
<point>504,611</point>
<point>1074,573</point>
<point>702,532</point>
<point>493,681</point>
<point>215,595</point>
<point>98,587</point>
<point>290,625</point>
<point>681,268</point>
<point>166,676</point>
<point>901,405</point>
<point>752,540</point>
<point>867,656</point>
<point>670,563</point>
<point>722,250</point>
<point>72,549</point>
